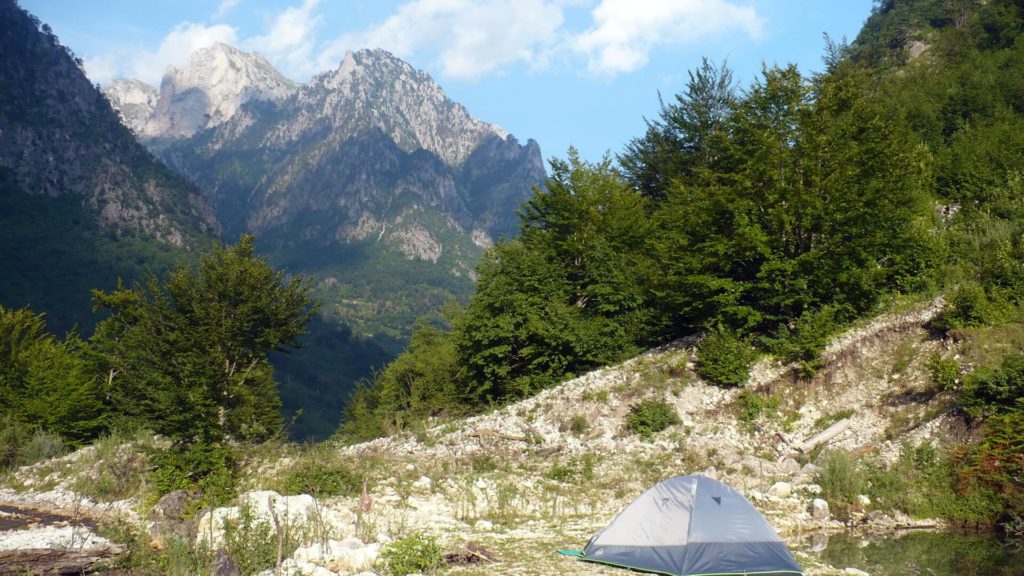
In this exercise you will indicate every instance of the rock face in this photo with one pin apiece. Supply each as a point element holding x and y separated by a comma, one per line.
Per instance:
<point>60,138</point>
<point>216,81</point>
<point>134,100</point>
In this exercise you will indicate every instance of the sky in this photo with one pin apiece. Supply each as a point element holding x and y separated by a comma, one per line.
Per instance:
<point>582,73</point>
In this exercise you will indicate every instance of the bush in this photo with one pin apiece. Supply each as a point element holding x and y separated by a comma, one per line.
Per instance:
<point>20,446</point>
<point>944,372</point>
<point>806,340</point>
<point>210,468</point>
<point>969,306</point>
<point>840,479</point>
<point>754,406</point>
<point>724,359</point>
<point>416,553</point>
<point>650,416</point>
<point>319,475</point>
<point>577,425</point>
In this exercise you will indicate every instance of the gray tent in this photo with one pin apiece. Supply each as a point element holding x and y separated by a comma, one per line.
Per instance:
<point>691,525</point>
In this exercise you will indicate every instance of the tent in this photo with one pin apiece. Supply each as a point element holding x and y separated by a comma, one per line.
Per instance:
<point>689,526</point>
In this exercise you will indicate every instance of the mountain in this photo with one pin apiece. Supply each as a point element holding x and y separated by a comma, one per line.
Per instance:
<point>83,201</point>
<point>367,176</point>
<point>134,100</point>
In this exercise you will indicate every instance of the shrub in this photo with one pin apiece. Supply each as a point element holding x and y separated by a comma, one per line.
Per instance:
<point>650,416</point>
<point>319,475</point>
<point>754,406</point>
<point>944,372</point>
<point>118,470</point>
<point>210,468</point>
<point>840,479</point>
<point>724,359</point>
<point>13,437</point>
<point>43,445</point>
<point>416,553</point>
<point>969,306</point>
<point>577,425</point>
<point>805,341</point>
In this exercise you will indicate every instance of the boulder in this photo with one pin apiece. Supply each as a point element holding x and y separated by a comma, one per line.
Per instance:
<point>342,556</point>
<point>262,507</point>
<point>223,565</point>
<point>854,572</point>
<point>424,484</point>
<point>819,510</point>
<point>863,500</point>
<point>789,467</point>
<point>781,489</point>
<point>167,519</point>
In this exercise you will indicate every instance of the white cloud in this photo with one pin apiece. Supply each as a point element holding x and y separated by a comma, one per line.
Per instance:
<point>225,7</point>
<point>468,38</point>
<point>626,31</point>
<point>290,40</point>
<point>149,66</point>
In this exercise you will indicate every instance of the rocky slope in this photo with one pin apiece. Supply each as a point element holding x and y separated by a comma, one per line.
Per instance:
<point>60,138</point>
<point>547,472</point>
<point>83,201</point>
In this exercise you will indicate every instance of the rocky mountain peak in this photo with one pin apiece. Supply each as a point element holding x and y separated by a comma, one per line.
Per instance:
<point>373,89</point>
<point>134,100</point>
<point>210,88</point>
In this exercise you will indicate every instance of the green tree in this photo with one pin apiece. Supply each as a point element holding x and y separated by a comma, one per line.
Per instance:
<point>687,139</point>
<point>46,382</point>
<point>187,356</point>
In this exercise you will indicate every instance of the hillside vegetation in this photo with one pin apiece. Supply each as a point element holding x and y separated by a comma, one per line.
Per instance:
<point>767,218</point>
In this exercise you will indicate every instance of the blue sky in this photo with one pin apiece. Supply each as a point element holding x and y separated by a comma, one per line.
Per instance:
<point>563,72</point>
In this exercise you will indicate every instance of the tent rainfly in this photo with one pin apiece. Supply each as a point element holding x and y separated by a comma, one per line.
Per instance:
<point>692,526</point>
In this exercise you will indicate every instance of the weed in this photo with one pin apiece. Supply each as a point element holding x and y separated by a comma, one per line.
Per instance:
<point>598,396</point>
<point>118,470</point>
<point>577,425</point>
<point>417,553</point>
<point>754,406</point>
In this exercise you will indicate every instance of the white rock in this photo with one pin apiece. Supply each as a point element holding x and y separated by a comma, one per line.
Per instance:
<point>819,509</point>
<point>262,505</point>
<point>789,466</point>
<point>781,489</point>
<point>349,555</point>
<point>812,488</point>
<point>483,525</point>
<point>293,567</point>
<point>855,572</point>
<point>424,484</point>
<point>863,500</point>
<point>52,537</point>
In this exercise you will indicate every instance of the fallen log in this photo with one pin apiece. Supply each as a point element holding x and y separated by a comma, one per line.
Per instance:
<point>826,435</point>
<point>492,434</point>
<point>46,561</point>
